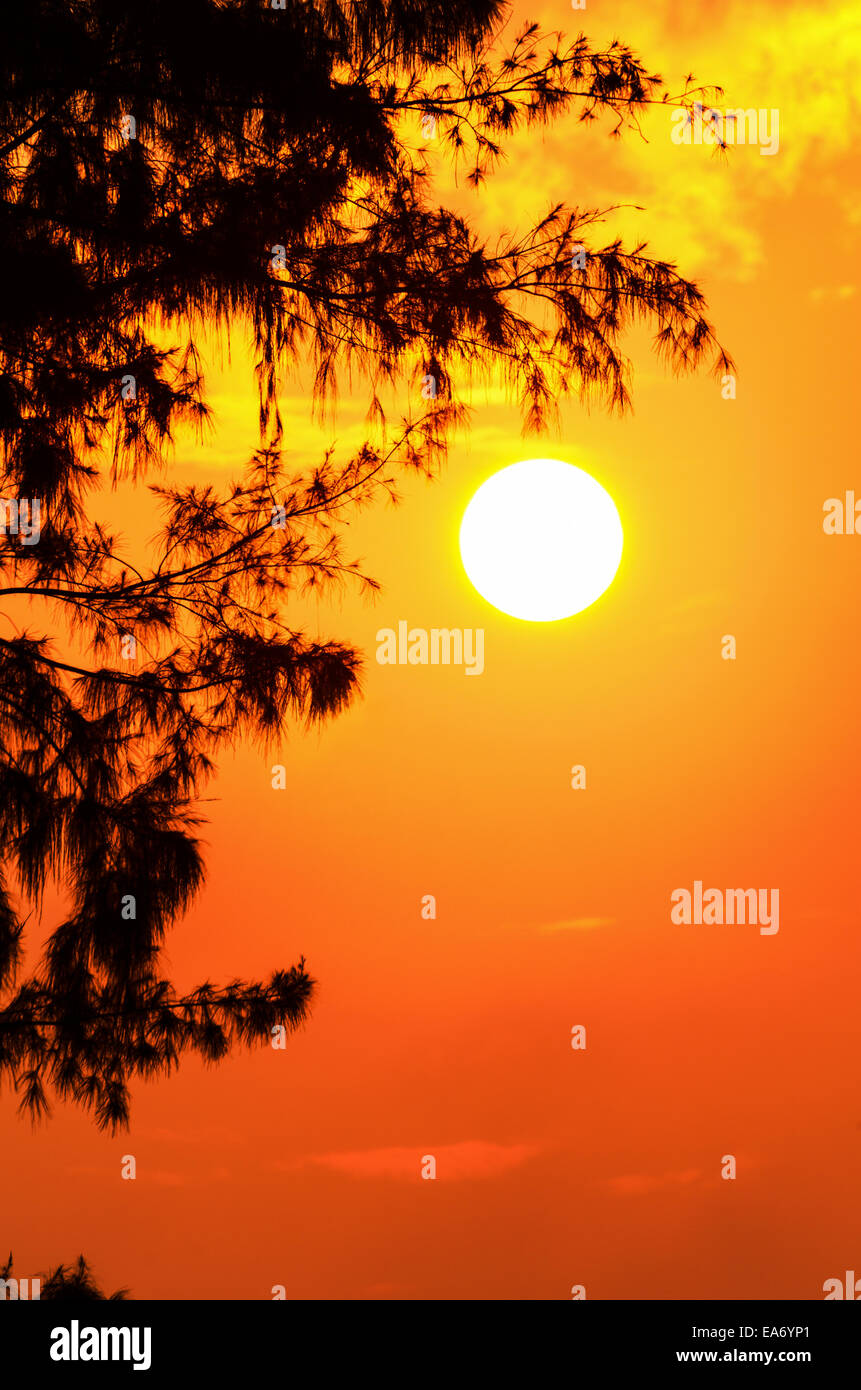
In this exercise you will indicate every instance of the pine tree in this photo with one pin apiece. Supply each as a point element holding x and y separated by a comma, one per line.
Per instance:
<point>166,170</point>
<point>73,1283</point>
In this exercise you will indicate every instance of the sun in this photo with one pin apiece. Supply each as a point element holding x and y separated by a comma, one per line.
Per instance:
<point>541,540</point>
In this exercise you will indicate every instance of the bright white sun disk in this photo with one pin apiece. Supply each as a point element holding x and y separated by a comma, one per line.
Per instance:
<point>541,540</point>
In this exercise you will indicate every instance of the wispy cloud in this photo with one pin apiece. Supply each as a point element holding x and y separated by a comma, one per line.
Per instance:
<point>831,294</point>
<point>472,1158</point>
<point>208,1134</point>
<point>578,924</point>
<point>161,1177</point>
<point>634,1184</point>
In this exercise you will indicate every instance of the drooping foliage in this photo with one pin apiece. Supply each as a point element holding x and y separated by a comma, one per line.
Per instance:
<point>169,171</point>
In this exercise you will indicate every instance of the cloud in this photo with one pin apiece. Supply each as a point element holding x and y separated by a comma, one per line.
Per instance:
<point>161,1177</point>
<point>702,211</point>
<point>165,1177</point>
<point>831,293</point>
<point>208,1134</point>
<point>635,1184</point>
<point>472,1158</point>
<point>578,924</point>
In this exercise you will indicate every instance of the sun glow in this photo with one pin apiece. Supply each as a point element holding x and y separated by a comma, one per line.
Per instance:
<point>541,540</point>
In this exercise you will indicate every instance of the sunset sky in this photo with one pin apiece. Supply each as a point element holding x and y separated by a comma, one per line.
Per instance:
<point>452,1037</point>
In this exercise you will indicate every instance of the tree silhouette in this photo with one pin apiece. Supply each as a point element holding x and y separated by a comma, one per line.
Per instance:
<point>69,1283</point>
<point>165,170</point>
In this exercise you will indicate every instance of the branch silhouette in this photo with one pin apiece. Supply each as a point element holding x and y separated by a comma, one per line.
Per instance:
<point>69,1284</point>
<point>166,172</point>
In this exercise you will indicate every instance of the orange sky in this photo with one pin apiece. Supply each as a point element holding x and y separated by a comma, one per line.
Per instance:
<point>452,1037</point>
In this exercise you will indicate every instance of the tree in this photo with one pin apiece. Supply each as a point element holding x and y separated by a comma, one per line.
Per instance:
<point>70,1284</point>
<point>167,169</point>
